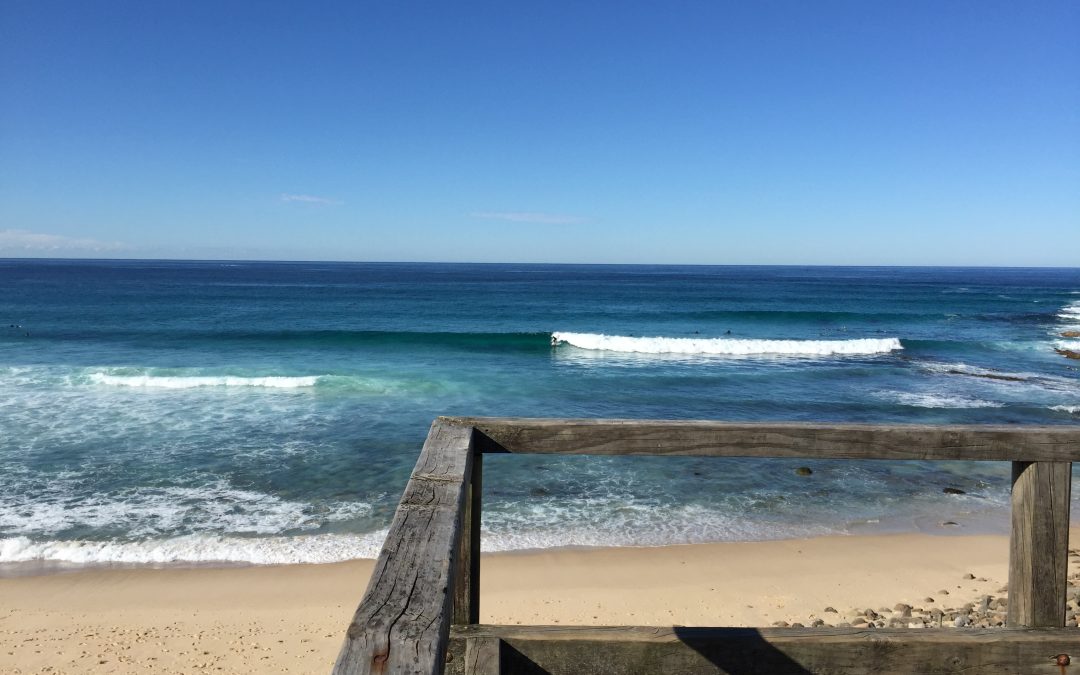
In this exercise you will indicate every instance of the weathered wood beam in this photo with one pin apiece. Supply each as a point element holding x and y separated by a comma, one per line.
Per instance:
<point>403,621</point>
<point>772,439</point>
<point>467,587</point>
<point>564,650</point>
<point>1039,544</point>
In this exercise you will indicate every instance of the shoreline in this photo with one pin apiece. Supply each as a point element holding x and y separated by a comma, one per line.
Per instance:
<point>292,618</point>
<point>971,524</point>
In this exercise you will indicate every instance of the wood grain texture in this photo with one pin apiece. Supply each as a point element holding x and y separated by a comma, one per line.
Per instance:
<point>1039,544</point>
<point>771,439</point>
<point>467,587</point>
<point>483,656</point>
<point>746,651</point>
<point>403,620</point>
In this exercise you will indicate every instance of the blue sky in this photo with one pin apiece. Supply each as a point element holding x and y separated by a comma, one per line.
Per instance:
<point>685,132</point>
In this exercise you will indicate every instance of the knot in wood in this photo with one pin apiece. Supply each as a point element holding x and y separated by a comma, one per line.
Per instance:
<point>1062,659</point>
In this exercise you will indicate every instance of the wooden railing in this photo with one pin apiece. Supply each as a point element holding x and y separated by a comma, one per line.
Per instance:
<point>420,613</point>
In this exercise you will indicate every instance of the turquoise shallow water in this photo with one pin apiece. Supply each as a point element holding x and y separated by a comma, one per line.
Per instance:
<point>185,412</point>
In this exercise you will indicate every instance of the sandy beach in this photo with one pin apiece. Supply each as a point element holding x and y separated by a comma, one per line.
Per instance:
<point>292,618</point>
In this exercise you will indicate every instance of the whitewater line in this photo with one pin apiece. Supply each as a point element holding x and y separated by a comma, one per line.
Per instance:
<point>725,346</point>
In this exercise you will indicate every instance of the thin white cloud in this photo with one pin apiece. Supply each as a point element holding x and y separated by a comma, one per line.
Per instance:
<point>529,217</point>
<point>29,242</point>
<point>310,199</point>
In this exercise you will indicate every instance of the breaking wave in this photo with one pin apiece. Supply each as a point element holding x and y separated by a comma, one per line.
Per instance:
<point>726,346</point>
<point>197,548</point>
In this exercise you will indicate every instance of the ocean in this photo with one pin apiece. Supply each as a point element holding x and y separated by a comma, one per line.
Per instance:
<point>179,413</point>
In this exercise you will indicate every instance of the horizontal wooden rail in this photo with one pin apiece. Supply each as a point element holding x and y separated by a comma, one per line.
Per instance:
<point>772,439</point>
<point>622,650</point>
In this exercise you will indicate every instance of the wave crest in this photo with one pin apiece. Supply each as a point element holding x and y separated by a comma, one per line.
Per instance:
<point>725,346</point>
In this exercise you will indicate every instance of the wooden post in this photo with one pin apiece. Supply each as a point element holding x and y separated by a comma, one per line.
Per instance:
<point>1039,544</point>
<point>475,497</point>
<point>467,586</point>
<point>402,625</point>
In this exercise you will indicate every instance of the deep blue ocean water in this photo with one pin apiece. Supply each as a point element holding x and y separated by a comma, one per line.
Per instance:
<point>185,412</point>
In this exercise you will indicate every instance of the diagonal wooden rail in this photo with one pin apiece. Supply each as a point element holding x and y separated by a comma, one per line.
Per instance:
<point>421,608</point>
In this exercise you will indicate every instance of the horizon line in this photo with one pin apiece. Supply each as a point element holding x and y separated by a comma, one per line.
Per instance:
<point>548,264</point>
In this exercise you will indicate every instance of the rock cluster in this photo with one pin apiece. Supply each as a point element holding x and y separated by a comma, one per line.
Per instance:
<point>987,611</point>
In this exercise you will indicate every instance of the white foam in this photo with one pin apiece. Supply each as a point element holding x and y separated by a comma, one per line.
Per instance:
<point>976,371</point>
<point>1071,345</point>
<point>319,548</point>
<point>155,512</point>
<point>926,400</point>
<point>1074,409</point>
<point>543,526</point>
<point>725,346</point>
<point>191,382</point>
<point>1006,382</point>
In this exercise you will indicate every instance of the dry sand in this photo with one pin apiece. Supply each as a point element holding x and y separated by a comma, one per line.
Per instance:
<point>292,618</point>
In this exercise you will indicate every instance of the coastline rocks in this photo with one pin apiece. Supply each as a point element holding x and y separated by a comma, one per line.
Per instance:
<point>987,611</point>
<point>804,471</point>
<point>1068,353</point>
<point>953,491</point>
<point>1070,333</point>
